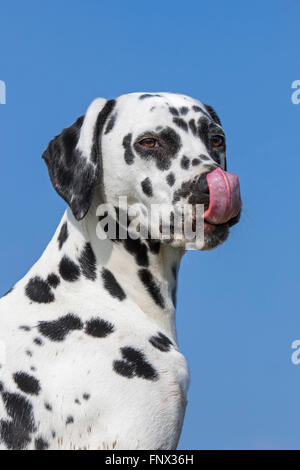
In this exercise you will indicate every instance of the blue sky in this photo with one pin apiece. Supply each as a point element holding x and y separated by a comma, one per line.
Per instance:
<point>238,309</point>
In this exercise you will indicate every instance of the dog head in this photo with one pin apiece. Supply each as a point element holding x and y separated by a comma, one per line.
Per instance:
<point>154,149</point>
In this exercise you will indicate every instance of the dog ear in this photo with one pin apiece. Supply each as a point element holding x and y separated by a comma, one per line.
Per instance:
<point>74,157</point>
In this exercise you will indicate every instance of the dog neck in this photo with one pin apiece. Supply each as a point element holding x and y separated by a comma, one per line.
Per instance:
<point>141,272</point>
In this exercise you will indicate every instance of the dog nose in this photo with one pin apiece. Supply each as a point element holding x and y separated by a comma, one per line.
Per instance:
<point>202,184</point>
<point>200,191</point>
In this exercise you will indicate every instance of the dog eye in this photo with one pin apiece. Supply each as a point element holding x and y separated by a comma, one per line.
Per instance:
<point>217,141</point>
<point>149,143</point>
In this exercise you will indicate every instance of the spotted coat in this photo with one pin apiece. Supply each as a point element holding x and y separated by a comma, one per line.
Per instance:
<point>90,354</point>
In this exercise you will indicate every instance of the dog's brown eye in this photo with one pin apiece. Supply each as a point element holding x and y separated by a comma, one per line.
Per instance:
<point>217,141</point>
<point>148,142</point>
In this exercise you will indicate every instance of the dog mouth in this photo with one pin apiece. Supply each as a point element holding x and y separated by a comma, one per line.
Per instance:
<point>219,193</point>
<point>209,227</point>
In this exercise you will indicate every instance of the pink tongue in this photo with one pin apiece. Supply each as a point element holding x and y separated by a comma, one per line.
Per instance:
<point>224,197</point>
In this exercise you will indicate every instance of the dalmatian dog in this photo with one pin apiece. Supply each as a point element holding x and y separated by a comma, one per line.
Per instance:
<point>89,354</point>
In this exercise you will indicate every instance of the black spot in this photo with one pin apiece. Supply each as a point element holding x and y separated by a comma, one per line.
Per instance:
<point>197,109</point>
<point>174,111</point>
<point>147,279</point>
<point>154,246</point>
<point>25,327</point>
<point>68,270</point>
<point>16,433</point>
<point>87,261</point>
<point>48,406</point>
<point>69,420</point>
<point>204,157</point>
<point>40,444</point>
<point>29,353</point>
<point>111,123</point>
<point>57,330</point>
<point>182,192</point>
<point>193,126</point>
<point>147,187</point>
<point>196,161</point>
<point>203,131</point>
<point>38,341</point>
<point>161,342</point>
<point>98,328</point>
<point>134,364</point>
<point>53,434</point>
<point>129,155</point>
<point>148,95</point>
<point>180,123</point>
<point>77,401</point>
<point>63,235</point>
<point>170,179</point>
<point>112,285</point>
<point>184,110</point>
<point>27,383</point>
<point>39,291</point>
<point>138,249</point>
<point>53,280</point>
<point>8,292</point>
<point>86,396</point>
<point>185,162</point>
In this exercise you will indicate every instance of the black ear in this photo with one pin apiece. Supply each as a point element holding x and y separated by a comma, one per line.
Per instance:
<point>73,158</point>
